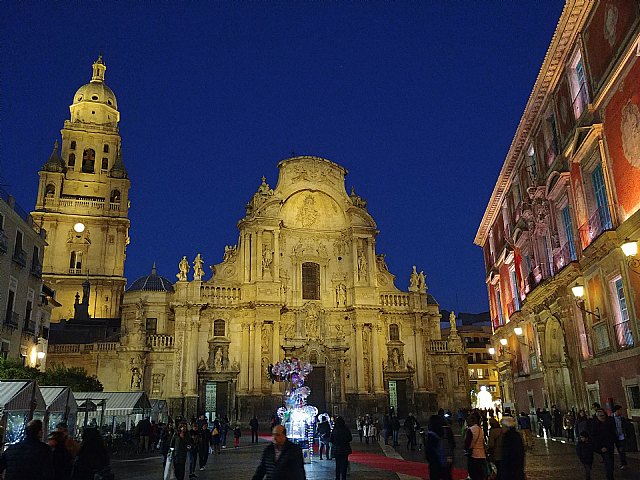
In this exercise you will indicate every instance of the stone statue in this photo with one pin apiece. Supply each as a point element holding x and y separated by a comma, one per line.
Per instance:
<point>202,365</point>
<point>422,283</point>
<point>312,327</point>
<point>267,258</point>
<point>217,362</point>
<point>184,269</point>
<point>452,320</point>
<point>136,379</point>
<point>413,280</point>
<point>198,271</point>
<point>362,266</point>
<point>341,295</point>
<point>395,358</point>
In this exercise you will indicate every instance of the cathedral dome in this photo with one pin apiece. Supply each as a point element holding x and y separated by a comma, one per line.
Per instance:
<point>151,283</point>
<point>96,91</point>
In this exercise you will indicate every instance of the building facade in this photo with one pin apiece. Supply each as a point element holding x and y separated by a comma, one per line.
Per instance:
<point>304,280</point>
<point>25,302</point>
<point>566,200</point>
<point>83,203</point>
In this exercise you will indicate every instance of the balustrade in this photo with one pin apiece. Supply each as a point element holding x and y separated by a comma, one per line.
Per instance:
<point>220,295</point>
<point>160,341</point>
<point>439,345</point>
<point>394,300</point>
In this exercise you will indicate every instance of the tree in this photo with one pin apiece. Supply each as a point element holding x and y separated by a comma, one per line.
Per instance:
<point>59,375</point>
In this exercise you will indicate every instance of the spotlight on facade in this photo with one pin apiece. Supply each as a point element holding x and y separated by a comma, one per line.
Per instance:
<point>41,355</point>
<point>578,291</point>
<point>503,342</point>
<point>79,227</point>
<point>492,351</point>
<point>629,248</point>
<point>518,331</point>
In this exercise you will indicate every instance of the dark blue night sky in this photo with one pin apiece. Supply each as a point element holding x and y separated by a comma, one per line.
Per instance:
<point>418,100</point>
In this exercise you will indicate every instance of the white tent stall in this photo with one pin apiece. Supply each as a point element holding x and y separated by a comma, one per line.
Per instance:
<point>61,407</point>
<point>20,402</point>
<point>119,408</point>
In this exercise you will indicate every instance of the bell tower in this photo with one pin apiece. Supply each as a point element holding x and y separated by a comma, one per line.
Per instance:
<point>83,204</point>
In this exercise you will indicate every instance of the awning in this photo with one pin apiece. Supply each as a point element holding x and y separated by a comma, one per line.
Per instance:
<point>57,399</point>
<point>118,403</point>
<point>17,395</point>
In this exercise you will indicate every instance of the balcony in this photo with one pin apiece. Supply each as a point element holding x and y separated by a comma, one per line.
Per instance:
<point>4,242</point>
<point>36,269</point>
<point>75,271</point>
<point>624,336</point>
<point>12,319</point>
<point>160,341</point>
<point>599,221</point>
<point>439,346</point>
<point>221,295</point>
<point>394,300</point>
<point>513,306</point>
<point>565,255</point>
<point>20,257</point>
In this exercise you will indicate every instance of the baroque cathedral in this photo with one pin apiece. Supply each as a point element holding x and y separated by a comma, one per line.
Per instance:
<point>304,280</point>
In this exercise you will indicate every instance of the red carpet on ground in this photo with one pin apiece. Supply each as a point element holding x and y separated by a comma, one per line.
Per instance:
<point>415,469</point>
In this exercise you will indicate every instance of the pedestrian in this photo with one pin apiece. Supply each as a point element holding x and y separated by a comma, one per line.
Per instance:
<point>494,445</point>
<point>568,424</point>
<point>584,449</point>
<point>341,447</point>
<point>216,436</point>
<point>194,435</point>
<point>144,431</point>
<point>556,421</point>
<point>373,432</point>
<point>254,425</point>
<point>434,448</point>
<point>224,423</point>
<point>474,446</point>
<point>395,429</point>
<point>582,422</point>
<point>386,427</point>
<point>60,456</point>
<point>448,446</point>
<point>524,423</point>
<point>29,458</point>
<point>237,433</point>
<point>281,459</point>
<point>621,429</point>
<point>71,445</point>
<point>324,432</point>
<point>165,441</point>
<point>410,429</point>
<point>512,452</point>
<point>547,421</point>
<point>93,458</point>
<point>204,446</point>
<point>360,427</point>
<point>603,437</point>
<point>181,444</point>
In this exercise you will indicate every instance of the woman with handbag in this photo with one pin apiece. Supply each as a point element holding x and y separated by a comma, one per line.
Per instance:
<point>474,446</point>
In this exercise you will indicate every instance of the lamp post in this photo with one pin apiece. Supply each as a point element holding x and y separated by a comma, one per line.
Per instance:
<point>630,250</point>
<point>578,293</point>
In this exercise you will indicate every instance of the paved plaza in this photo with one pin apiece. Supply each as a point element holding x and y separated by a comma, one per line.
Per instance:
<point>549,460</point>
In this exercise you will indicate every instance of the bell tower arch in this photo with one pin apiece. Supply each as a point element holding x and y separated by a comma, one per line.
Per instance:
<point>83,203</point>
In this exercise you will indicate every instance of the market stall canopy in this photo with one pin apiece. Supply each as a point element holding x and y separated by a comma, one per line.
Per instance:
<point>18,395</point>
<point>58,399</point>
<point>117,403</point>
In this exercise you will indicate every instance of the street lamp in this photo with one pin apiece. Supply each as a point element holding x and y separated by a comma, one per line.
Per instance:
<point>578,293</point>
<point>492,351</point>
<point>518,331</point>
<point>630,250</point>
<point>503,342</point>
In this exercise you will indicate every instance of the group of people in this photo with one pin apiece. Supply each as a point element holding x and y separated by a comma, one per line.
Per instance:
<point>61,458</point>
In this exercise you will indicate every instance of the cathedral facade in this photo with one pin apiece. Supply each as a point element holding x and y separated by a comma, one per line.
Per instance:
<point>304,280</point>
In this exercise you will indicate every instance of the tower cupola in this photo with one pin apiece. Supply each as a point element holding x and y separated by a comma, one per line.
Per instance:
<point>95,102</point>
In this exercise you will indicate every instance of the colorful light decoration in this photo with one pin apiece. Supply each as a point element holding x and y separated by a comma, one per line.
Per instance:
<point>298,417</point>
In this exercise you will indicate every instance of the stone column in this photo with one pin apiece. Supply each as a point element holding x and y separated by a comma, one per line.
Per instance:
<point>359,358</point>
<point>191,375</point>
<point>420,367</point>
<point>377,363</point>
<point>244,359</point>
<point>257,356</point>
<point>246,256</point>
<point>275,352</point>
<point>276,255</point>
<point>258,256</point>
<point>354,254</point>
<point>371,260</point>
<point>251,353</point>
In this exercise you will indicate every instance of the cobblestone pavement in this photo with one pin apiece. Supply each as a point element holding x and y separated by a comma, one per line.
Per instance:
<point>548,460</point>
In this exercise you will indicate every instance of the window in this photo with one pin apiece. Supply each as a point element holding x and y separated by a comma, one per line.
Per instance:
<point>72,145</point>
<point>4,349</point>
<point>36,266</point>
<point>115,196</point>
<point>28,323</point>
<point>578,84</point>
<point>11,317</point>
<point>152,326</point>
<point>219,328</point>
<point>50,190</point>
<point>633,393</point>
<point>499,307</point>
<point>75,262</point>
<point>19,256</point>
<point>514,288</point>
<point>602,215</point>
<point>72,160</point>
<point>310,281</point>
<point>532,164</point>
<point>621,323</point>
<point>105,148</point>
<point>550,138</point>
<point>88,160</point>
<point>570,245</point>
<point>105,163</point>
<point>394,332</point>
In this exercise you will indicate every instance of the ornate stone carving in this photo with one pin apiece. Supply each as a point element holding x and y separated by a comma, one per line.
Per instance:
<point>630,133</point>
<point>413,280</point>
<point>381,264</point>
<point>341,295</point>
<point>267,259</point>
<point>308,213</point>
<point>230,253</point>
<point>198,271</point>
<point>362,265</point>
<point>259,198</point>
<point>184,269</point>
<point>356,200</point>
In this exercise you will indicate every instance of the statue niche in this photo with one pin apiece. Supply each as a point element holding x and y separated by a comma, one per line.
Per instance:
<point>218,360</point>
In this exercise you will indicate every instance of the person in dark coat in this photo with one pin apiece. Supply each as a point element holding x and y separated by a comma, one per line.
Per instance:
<point>62,459</point>
<point>584,449</point>
<point>434,448</point>
<point>281,459</point>
<point>194,436</point>
<point>29,458</point>
<point>166,436</point>
<point>603,437</point>
<point>511,465</point>
<point>341,440</point>
<point>204,445</point>
<point>395,429</point>
<point>253,423</point>
<point>324,432</point>
<point>93,456</point>
<point>181,443</point>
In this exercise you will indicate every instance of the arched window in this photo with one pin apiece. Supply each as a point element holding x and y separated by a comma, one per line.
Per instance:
<point>88,160</point>
<point>105,163</point>
<point>72,160</point>
<point>218,328</point>
<point>394,332</point>
<point>105,148</point>
<point>310,281</point>
<point>115,196</point>
<point>72,146</point>
<point>50,190</point>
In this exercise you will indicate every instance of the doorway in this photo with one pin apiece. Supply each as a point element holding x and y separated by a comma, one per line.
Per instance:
<point>316,381</point>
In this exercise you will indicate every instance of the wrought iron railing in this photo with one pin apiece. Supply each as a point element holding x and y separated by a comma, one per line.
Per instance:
<point>623,333</point>
<point>599,221</point>
<point>20,257</point>
<point>565,255</point>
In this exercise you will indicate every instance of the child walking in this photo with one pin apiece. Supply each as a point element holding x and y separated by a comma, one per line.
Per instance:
<point>236,436</point>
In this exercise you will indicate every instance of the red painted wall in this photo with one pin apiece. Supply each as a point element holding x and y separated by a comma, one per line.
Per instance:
<point>609,377</point>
